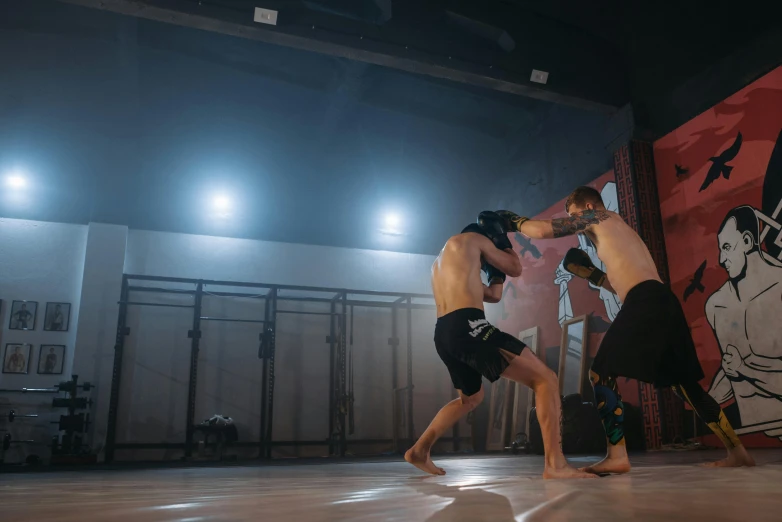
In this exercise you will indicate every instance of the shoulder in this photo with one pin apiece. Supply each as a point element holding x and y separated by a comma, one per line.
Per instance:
<point>466,240</point>
<point>772,271</point>
<point>595,216</point>
<point>719,298</point>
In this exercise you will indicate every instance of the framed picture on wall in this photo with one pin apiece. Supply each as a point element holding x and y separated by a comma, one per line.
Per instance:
<point>16,358</point>
<point>57,317</point>
<point>51,358</point>
<point>23,315</point>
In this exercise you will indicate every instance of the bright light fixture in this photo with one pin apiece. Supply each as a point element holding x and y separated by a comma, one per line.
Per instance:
<point>392,221</point>
<point>222,203</point>
<point>391,225</point>
<point>16,181</point>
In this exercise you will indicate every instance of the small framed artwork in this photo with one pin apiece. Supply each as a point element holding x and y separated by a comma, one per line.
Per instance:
<point>17,358</point>
<point>51,358</point>
<point>23,315</point>
<point>57,317</point>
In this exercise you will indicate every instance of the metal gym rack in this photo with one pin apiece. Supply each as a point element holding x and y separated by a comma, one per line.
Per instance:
<point>340,399</point>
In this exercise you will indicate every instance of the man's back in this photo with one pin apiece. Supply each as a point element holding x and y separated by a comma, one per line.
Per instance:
<point>456,279</point>
<point>625,255</point>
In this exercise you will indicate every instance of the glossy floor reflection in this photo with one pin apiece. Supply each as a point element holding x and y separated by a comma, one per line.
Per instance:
<point>662,486</point>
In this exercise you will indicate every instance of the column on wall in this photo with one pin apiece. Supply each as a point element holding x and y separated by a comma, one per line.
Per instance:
<point>97,327</point>
<point>639,204</point>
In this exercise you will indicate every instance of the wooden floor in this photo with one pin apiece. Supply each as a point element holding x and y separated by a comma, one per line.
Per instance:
<point>662,486</point>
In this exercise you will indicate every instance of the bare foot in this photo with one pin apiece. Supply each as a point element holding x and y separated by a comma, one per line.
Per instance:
<point>737,457</point>
<point>423,462</point>
<point>609,465</point>
<point>565,472</point>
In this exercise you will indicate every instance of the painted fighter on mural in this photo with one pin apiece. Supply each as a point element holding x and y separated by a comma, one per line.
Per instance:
<point>745,311</point>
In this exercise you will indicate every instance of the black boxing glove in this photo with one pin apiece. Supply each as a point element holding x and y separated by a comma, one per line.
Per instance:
<point>578,263</point>
<point>511,220</point>
<point>474,227</point>
<point>493,275</point>
<point>494,225</point>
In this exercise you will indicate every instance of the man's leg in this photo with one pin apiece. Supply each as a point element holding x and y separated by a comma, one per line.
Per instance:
<point>710,412</point>
<point>527,369</point>
<point>448,415</point>
<point>611,411</point>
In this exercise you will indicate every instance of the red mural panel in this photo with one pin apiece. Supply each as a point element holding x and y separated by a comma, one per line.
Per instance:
<point>544,296</point>
<point>634,171</point>
<point>719,179</point>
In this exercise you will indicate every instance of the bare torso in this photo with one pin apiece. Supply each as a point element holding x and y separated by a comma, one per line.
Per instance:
<point>456,278</point>
<point>624,254</point>
<point>740,320</point>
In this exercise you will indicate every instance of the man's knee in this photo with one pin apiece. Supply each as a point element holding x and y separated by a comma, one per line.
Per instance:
<point>545,377</point>
<point>472,401</point>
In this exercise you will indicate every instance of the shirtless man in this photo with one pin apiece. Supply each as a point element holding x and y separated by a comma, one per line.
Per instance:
<point>744,314</point>
<point>470,347</point>
<point>649,339</point>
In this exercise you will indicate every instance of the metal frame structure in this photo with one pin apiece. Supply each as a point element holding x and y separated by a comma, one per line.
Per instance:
<point>340,401</point>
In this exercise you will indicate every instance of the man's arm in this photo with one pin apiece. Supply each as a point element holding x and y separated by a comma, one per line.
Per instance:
<point>720,389</point>
<point>763,372</point>
<point>578,263</point>
<point>492,293</point>
<point>506,261</point>
<point>561,227</point>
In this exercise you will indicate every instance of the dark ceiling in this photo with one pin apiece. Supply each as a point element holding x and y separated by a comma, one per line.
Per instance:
<point>601,54</point>
<point>139,112</point>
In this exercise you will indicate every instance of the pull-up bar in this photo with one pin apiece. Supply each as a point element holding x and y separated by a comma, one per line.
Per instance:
<point>307,313</point>
<point>154,304</point>
<point>240,284</point>
<point>226,319</point>
<point>399,303</point>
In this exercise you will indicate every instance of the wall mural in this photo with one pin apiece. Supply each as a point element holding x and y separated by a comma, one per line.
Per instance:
<point>720,184</point>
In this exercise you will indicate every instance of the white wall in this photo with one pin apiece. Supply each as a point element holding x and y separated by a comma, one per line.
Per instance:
<point>97,330</point>
<point>207,257</point>
<point>38,262</point>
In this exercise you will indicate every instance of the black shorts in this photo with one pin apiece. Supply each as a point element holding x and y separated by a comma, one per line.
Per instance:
<point>470,348</point>
<point>649,340</point>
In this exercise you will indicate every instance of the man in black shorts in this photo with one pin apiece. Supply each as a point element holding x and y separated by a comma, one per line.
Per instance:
<point>472,348</point>
<point>649,339</point>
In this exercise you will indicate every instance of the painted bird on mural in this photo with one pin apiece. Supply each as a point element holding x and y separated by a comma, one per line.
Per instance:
<point>681,171</point>
<point>527,246</point>
<point>719,164</point>
<point>695,282</point>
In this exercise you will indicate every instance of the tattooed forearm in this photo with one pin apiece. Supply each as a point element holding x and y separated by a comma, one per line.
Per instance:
<point>577,223</point>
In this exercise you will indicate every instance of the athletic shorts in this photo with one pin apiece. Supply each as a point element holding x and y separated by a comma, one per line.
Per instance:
<point>649,340</point>
<point>470,348</point>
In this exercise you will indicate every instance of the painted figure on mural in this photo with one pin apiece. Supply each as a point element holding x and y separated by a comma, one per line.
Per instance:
<point>562,277</point>
<point>744,314</point>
